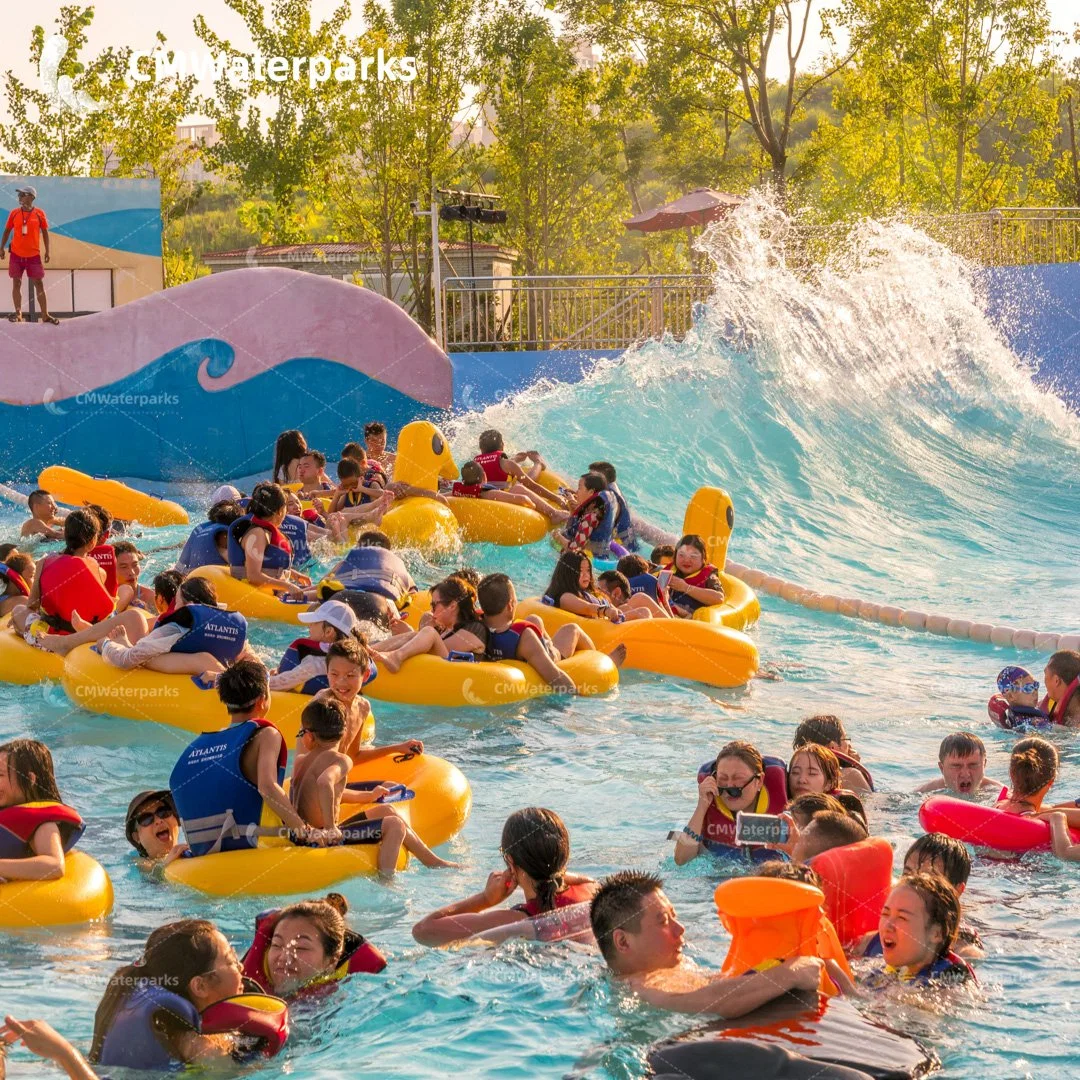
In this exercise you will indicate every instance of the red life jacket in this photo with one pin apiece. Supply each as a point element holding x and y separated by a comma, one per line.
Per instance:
<point>1056,709</point>
<point>848,762</point>
<point>719,824</point>
<point>701,577</point>
<point>105,556</point>
<point>262,1019</point>
<point>492,466</point>
<point>19,823</point>
<point>14,578</point>
<point>466,491</point>
<point>572,894</point>
<point>277,538</point>
<point>360,956</point>
<point>68,584</point>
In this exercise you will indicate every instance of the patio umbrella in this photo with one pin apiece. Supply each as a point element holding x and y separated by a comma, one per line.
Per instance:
<point>698,208</point>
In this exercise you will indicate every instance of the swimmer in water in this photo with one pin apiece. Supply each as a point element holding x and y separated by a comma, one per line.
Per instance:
<point>962,761</point>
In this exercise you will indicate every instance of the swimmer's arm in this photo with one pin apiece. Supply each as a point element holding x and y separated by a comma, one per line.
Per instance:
<point>724,996</point>
<point>157,643</point>
<point>937,784</point>
<point>1061,842</point>
<point>47,862</point>
<point>1069,811</point>
<point>577,606</point>
<point>310,667</point>
<point>463,641</point>
<point>463,919</point>
<point>696,592</point>
<point>195,1049</point>
<point>410,746</point>
<point>268,742</point>
<point>854,780</point>
<point>41,1039</point>
<point>328,792</point>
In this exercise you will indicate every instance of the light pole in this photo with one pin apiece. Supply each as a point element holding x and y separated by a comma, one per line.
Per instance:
<point>436,268</point>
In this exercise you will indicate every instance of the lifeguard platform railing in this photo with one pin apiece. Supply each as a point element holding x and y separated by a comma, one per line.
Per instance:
<point>616,311</point>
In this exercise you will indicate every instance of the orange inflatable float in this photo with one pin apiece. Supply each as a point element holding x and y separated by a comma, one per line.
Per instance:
<point>771,920</point>
<point>857,879</point>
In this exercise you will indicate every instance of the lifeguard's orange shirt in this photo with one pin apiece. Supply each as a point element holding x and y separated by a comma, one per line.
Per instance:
<point>26,247</point>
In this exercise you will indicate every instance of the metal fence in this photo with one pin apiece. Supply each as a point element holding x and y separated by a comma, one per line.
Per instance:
<point>616,311</point>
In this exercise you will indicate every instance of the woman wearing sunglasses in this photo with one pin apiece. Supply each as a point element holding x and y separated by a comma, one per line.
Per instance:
<point>740,779</point>
<point>153,829</point>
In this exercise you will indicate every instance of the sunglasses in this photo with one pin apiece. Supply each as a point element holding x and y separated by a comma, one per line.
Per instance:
<point>733,792</point>
<point>162,813</point>
<point>439,603</point>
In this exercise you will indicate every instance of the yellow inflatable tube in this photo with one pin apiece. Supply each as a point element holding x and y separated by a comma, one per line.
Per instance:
<point>252,601</point>
<point>740,608</point>
<point>82,895</point>
<point>430,680</point>
<point>141,694</point>
<point>23,664</point>
<point>77,489</point>
<point>682,648</point>
<point>422,525</point>
<point>278,867</point>
<point>487,521</point>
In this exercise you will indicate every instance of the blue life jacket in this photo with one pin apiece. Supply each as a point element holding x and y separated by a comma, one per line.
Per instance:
<point>274,557</point>
<point>600,540</point>
<point>625,533</point>
<point>222,634</point>
<point>201,548</point>
<point>295,528</point>
<point>131,1041</point>
<point>952,966</point>
<point>299,650</point>
<point>647,584</point>
<point>503,644</point>
<point>375,570</point>
<point>208,785</point>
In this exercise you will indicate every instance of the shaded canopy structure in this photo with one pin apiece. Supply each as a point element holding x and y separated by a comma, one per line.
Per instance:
<point>700,207</point>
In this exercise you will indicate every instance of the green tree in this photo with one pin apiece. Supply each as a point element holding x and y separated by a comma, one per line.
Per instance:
<point>286,149</point>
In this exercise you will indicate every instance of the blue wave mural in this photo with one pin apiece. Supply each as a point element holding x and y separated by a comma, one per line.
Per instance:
<point>134,230</point>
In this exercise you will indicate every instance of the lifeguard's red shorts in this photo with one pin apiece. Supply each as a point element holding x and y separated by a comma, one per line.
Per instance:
<point>31,264</point>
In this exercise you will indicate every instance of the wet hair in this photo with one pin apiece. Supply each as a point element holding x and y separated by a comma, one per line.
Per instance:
<point>104,518</point>
<point>565,576</point>
<point>806,807</point>
<point>605,469</point>
<point>354,450</point>
<point>936,847</point>
<point>318,457</point>
<point>457,590</point>
<point>821,730</point>
<point>125,547</point>
<point>942,905</point>
<point>594,482</point>
<point>827,761</point>
<point>493,592</point>
<point>538,843</point>
<point>225,512</point>
<point>833,830</point>
<point>373,538</point>
<point>853,805</point>
<point>662,552</point>
<point>745,752</point>
<point>469,574</point>
<point>36,496</point>
<point>1033,766</point>
<point>290,445</point>
<point>167,584</point>
<point>615,580</point>
<point>81,529</point>
<point>21,563</point>
<point>619,904</point>
<point>266,501</point>
<point>174,955</point>
<point>632,566</point>
<point>1065,664</point>
<point>692,540</point>
<point>351,648</point>
<point>26,757</point>
<point>327,916</point>
<point>347,468</point>
<point>788,871</point>
<point>324,718</point>
<point>241,685</point>
<point>472,473</point>
<point>962,744</point>
<point>490,441</point>
<point>374,427</point>
<point>6,550</point>
<point>196,590</point>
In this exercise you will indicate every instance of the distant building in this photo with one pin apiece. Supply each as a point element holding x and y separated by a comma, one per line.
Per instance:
<point>199,135</point>
<point>478,129</point>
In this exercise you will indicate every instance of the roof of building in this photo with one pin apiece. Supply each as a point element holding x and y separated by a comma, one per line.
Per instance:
<point>318,252</point>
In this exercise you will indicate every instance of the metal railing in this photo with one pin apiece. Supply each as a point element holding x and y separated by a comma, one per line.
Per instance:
<point>617,311</point>
<point>588,312</point>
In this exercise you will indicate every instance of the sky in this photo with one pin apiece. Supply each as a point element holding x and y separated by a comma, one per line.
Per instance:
<point>135,22</point>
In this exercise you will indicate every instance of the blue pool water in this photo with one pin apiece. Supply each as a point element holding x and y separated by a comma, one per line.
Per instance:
<point>878,439</point>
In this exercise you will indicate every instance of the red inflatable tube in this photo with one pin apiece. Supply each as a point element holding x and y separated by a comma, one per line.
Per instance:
<point>985,826</point>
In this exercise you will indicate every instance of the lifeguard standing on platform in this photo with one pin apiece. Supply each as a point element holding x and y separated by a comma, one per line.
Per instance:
<point>27,227</point>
